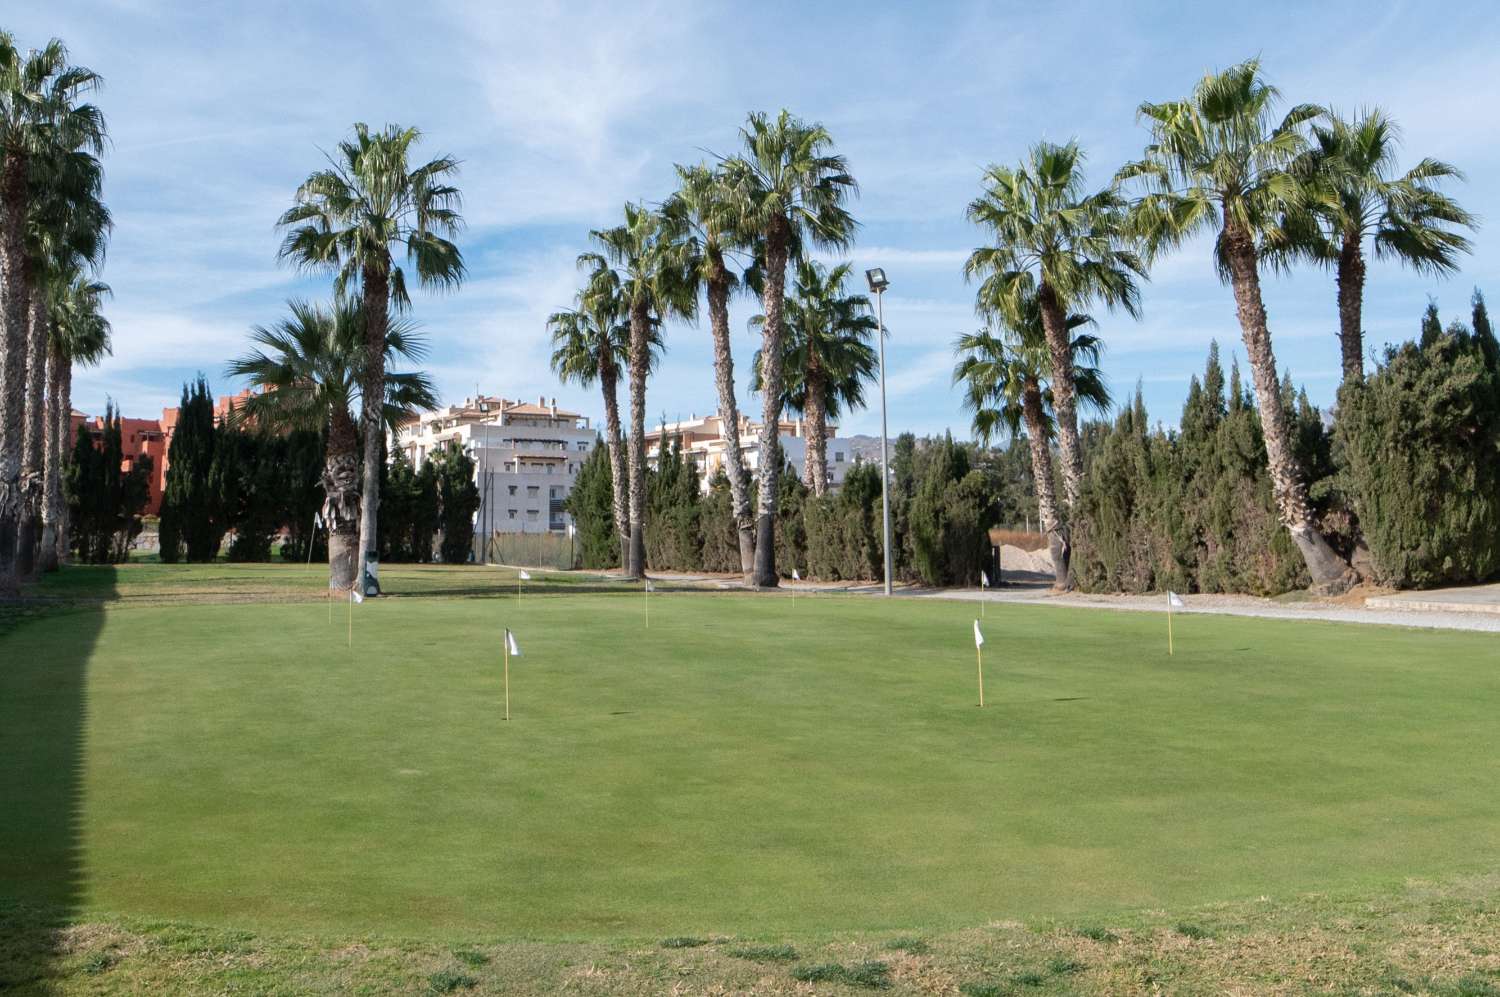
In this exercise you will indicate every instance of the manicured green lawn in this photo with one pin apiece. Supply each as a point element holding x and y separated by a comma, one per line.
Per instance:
<point>746,765</point>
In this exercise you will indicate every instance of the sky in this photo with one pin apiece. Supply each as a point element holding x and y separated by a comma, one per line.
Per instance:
<point>561,112</point>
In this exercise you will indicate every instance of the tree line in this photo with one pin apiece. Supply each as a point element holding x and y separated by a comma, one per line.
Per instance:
<point>261,475</point>
<point>1273,190</point>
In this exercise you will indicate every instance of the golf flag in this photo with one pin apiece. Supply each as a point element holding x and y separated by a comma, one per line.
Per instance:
<point>511,649</point>
<point>984,579</point>
<point>979,659</point>
<point>650,585</point>
<point>796,577</point>
<point>356,595</point>
<point>1174,601</point>
<point>525,575</point>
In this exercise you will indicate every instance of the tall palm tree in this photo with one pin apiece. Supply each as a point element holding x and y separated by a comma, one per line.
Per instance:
<point>827,357</point>
<point>650,256</point>
<point>40,110</point>
<point>591,342</point>
<point>1005,369</point>
<point>1355,196</point>
<point>711,204</point>
<point>791,192</point>
<point>79,333</point>
<point>1218,161</point>
<point>67,230</point>
<point>1064,248</point>
<point>347,220</point>
<point>311,369</point>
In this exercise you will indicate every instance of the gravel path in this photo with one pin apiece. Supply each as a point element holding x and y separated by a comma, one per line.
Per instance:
<point>1033,590</point>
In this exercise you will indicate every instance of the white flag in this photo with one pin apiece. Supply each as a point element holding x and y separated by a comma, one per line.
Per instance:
<point>796,577</point>
<point>1174,600</point>
<point>650,586</point>
<point>525,576</point>
<point>978,637</point>
<point>356,596</point>
<point>511,645</point>
<point>984,580</point>
<point>317,521</point>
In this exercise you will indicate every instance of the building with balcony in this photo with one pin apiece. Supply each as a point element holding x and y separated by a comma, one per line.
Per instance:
<point>526,457</point>
<point>703,443</point>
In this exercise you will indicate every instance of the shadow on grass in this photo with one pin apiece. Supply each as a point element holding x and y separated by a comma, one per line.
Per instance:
<point>44,655</point>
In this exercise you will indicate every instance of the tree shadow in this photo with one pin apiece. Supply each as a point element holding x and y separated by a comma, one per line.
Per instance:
<point>45,647</point>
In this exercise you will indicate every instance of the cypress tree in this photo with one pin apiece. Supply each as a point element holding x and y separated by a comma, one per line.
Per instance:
<point>189,520</point>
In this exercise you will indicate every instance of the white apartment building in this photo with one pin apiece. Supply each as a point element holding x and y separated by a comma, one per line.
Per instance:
<point>526,457</point>
<point>703,443</point>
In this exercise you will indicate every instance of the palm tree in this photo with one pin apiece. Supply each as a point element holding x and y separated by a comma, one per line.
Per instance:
<point>347,219</point>
<point>710,203</point>
<point>1065,249</point>
<point>827,357</point>
<point>40,111</point>
<point>66,231</point>
<point>1219,162</point>
<point>1007,385</point>
<point>790,194</point>
<point>311,369</point>
<point>591,342</point>
<point>650,257</point>
<point>1354,196</point>
<point>79,333</point>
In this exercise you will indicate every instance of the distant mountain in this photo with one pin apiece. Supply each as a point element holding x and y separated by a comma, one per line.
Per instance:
<point>866,448</point>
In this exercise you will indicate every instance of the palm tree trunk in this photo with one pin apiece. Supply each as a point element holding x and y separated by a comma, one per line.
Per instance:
<point>609,380</point>
<point>64,454</point>
<point>772,333</point>
<point>342,514</point>
<point>376,284</point>
<point>640,364</point>
<point>729,415</point>
<point>13,286</point>
<point>54,447</point>
<point>815,421</point>
<point>1351,281</point>
<point>32,466</point>
<point>1329,571</point>
<point>1041,473</point>
<point>1065,412</point>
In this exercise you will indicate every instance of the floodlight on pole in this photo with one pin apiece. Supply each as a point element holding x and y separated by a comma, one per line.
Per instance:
<point>878,284</point>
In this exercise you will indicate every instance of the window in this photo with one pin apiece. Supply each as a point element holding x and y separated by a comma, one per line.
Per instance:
<point>551,468</point>
<point>512,489</point>
<point>531,514</point>
<point>532,491</point>
<point>838,457</point>
<point>555,491</point>
<point>512,513</point>
<point>582,445</point>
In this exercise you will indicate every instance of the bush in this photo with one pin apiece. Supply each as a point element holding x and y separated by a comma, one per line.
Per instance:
<point>458,500</point>
<point>1421,438</point>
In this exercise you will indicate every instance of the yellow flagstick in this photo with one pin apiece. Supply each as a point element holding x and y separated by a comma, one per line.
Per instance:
<point>647,593</point>
<point>507,674</point>
<point>351,619</point>
<point>1169,626</point>
<point>979,660</point>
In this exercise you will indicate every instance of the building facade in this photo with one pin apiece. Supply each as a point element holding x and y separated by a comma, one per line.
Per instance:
<point>703,443</point>
<point>526,457</point>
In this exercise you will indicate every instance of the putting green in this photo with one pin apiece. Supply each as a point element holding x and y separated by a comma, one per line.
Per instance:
<point>747,764</point>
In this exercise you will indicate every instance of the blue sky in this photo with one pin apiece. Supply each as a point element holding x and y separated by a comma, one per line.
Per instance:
<point>562,111</point>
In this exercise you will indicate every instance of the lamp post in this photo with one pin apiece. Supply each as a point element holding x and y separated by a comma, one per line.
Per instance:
<point>878,284</point>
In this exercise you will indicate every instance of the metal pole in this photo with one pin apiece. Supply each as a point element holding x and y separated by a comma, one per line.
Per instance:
<point>885,470</point>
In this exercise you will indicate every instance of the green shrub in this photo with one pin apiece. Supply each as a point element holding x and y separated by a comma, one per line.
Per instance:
<point>873,975</point>
<point>683,942</point>
<point>446,981</point>
<point>1422,440</point>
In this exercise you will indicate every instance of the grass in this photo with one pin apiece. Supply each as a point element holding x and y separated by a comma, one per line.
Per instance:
<point>197,746</point>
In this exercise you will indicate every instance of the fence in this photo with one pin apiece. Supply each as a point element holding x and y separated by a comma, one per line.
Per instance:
<point>540,550</point>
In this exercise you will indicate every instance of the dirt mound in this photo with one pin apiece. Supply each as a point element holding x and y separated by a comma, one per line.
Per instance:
<point>1013,558</point>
